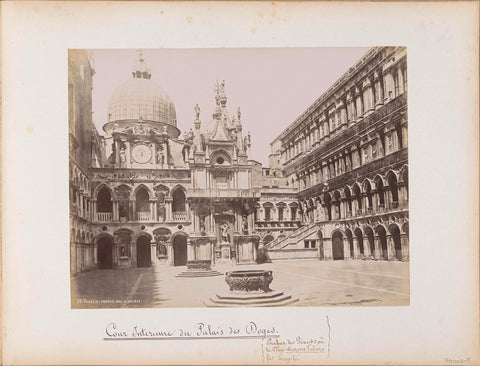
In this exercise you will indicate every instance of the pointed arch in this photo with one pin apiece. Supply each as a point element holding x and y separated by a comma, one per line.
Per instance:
<point>382,237</point>
<point>367,189</point>
<point>368,233</point>
<point>403,174</point>
<point>139,187</point>
<point>337,245</point>
<point>359,235</point>
<point>176,188</point>
<point>179,203</point>
<point>357,193</point>
<point>392,182</point>
<point>142,201</point>
<point>347,194</point>
<point>104,196</point>
<point>379,187</point>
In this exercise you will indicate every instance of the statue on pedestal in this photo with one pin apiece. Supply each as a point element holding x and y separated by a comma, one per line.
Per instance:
<point>197,112</point>
<point>123,158</point>
<point>159,156</point>
<point>245,224</point>
<point>225,235</point>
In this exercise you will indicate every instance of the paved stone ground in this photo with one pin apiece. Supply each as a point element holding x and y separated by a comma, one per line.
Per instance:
<point>316,283</point>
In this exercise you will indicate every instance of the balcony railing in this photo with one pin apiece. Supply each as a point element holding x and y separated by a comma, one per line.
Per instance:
<point>223,193</point>
<point>143,216</point>
<point>395,204</point>
<point>104,216</point>
<point>179,216</point>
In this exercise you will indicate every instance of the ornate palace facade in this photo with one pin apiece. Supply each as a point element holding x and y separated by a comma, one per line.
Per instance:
<point>336,187</point>
<point>346,156</point>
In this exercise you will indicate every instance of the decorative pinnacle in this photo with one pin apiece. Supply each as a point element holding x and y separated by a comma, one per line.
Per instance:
<point>140,69</point>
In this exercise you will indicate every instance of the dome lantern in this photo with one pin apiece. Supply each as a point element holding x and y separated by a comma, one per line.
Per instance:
<point>140,69</point>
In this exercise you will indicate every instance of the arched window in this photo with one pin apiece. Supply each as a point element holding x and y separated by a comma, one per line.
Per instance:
<point>142,200</point>
<point>371,241</point>
<point>104,200</point>
<point>392,183</point>
<point>382,236</point>
<point>380,193</point>
<point>336,202</point>
<point>348,200</point>
<point>358,198</point>
<point>178,205</point>
<point>368,191</point>
<point>359,236</point>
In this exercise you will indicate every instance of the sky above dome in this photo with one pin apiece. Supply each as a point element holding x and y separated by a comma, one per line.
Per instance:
<point>272,86</point>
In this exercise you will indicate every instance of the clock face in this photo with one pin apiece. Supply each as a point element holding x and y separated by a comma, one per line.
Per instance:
<point>141,154</point>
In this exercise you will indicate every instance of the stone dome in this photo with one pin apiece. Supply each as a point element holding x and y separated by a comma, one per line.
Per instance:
<point>141,98</point>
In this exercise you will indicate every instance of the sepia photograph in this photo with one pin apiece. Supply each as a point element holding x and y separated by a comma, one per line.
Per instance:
<point>238,177</point>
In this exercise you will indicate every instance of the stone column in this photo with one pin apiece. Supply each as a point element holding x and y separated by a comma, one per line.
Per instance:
<point>169,246</point>
<point>356,248</point>
<point>95,262</point>
<point>366,247</point>
<point>94,210</point>
<point>346,248</point>
<point>115,216</point>
<point>153,252</point>
<point>355,158</point>
<point>133,253</point>
<point>117,153</point>
<point>358,104</point>
<point>190,250</point>
<point>378,90</point>
<point>350,109</point>
<point>378,248</point>
<point>168,209</point>
<point>154,216</point>
<point>389,90</point>
<point>368,97</point>
<point>390,248</point>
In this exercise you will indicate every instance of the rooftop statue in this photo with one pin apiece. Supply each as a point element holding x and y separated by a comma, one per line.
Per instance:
<point>197,112</point>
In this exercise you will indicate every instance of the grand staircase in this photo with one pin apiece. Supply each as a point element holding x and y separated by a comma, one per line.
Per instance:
<point>293,238</point>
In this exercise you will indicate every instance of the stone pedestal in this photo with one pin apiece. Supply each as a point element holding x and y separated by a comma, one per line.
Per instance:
<point>199,268</point>
<point>124,262</point>
<point>224,253</point>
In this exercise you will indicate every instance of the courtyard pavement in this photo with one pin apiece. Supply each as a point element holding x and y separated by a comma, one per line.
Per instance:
<point>315,283</point>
